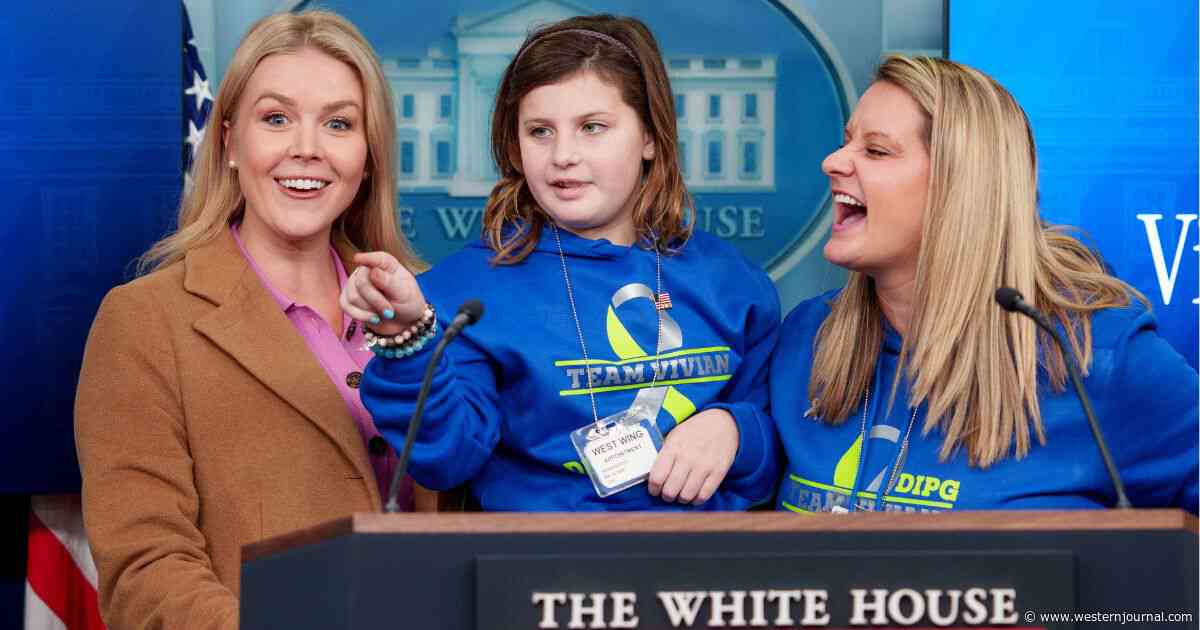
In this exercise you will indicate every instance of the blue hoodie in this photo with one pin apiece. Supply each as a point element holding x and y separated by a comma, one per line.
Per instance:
<point>1143,393</point>
<point>508,393</point>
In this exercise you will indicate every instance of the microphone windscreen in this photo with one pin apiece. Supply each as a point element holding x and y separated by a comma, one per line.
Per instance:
<point>473,309</point>
<point>1008,298</point>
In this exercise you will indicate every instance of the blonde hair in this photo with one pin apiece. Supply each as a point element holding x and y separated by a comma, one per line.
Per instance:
<point>975,365</point>
<point>216,200</point>
<point>623,53</point>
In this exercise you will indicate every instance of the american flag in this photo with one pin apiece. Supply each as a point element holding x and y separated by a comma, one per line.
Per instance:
<point>60,582</point>
<point>60,576</point>
<point>663,301</point>
<point>197,100</point>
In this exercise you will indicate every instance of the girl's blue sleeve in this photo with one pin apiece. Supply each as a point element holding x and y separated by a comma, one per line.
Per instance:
<point>755,472</point>
<point>461,420</point>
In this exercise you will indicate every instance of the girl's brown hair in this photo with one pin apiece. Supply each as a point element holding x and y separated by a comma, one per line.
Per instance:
<point>622,52</point>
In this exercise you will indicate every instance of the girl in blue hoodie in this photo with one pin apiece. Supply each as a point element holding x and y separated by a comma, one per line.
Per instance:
<point>911,389</point>
<point>622,362</point>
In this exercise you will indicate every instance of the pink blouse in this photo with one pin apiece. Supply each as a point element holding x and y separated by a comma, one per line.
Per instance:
<point>343,356</point>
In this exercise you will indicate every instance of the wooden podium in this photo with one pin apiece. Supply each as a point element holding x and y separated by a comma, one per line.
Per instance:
<point>652,570</point>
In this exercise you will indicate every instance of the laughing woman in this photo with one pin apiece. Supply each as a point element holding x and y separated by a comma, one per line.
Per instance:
<point>218,401</point>
<point>910,389</point>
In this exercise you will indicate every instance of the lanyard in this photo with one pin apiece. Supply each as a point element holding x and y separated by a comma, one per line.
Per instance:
<point>660,304</point>
<point>869,409</point>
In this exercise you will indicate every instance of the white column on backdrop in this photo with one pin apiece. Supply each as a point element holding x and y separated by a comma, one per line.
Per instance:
<point>231,19</point>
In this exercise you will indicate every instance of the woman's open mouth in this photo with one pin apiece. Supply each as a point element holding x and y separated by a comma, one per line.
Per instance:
<point>301,187</point>
<point>848,211</point>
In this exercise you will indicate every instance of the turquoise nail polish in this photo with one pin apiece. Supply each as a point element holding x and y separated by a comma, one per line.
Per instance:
<point>388,313</point>
<point>375,320</point>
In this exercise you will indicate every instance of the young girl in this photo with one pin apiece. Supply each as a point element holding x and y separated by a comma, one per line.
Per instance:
<point>609,325</point>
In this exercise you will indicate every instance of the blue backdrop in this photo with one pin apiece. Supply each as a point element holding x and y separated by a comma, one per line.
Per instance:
<point>90,134</point>
<point>1110,88</point>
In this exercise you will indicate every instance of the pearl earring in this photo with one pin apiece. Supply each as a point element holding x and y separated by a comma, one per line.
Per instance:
<point>233,165</point>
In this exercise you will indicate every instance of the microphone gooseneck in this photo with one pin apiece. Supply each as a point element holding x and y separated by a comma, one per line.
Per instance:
<point>1011,300</point>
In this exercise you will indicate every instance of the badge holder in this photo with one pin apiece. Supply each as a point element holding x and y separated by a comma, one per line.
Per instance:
<point>618,451</point>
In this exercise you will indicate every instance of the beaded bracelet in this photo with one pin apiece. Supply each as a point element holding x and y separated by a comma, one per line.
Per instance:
<point>408,341</point>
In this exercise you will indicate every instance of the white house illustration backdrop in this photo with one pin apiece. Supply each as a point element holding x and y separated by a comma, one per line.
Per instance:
<point>725,108</point>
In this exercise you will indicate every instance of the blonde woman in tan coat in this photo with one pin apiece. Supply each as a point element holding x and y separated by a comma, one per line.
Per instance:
<point>218,399</point>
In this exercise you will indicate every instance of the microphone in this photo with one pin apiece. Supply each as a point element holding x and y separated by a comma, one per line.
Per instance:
<point>1011,300</point>
<point>468,314</point>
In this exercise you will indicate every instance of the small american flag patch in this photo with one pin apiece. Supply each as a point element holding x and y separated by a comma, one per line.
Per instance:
<point>663,302</point>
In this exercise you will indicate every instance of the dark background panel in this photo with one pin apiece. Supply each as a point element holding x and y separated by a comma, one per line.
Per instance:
<point>90,100</point>
<point>90,130</point>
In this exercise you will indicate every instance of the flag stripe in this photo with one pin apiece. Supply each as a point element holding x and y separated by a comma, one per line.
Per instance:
<point>62,514</point>
<point>55,579</point>
<point>38,616</point>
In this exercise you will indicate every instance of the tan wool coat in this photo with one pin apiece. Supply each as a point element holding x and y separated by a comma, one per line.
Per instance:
<point>203,423</point>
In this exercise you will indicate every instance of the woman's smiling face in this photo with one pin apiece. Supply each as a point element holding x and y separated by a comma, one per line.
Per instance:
<point>299,141</point>
<point>880,180</point>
